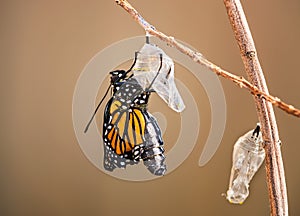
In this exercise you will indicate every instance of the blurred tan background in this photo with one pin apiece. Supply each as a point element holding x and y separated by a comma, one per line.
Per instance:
<point>45,46</point>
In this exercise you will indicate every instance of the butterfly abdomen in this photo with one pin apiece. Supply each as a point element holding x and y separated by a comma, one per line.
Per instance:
<point>153,151</point>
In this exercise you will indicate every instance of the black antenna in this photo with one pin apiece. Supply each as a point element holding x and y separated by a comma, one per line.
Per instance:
<point>88,125</point>
<point>160,56</point>
<point>168,74</point>
<point>134,61</point>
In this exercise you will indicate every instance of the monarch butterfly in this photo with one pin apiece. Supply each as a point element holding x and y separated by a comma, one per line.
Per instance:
<point>130,132</point>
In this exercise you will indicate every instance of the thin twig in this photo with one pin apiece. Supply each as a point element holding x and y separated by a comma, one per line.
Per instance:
<point>199,58</point>
<point>274,164</point>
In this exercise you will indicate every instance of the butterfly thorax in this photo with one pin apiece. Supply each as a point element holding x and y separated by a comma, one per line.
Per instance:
<point>131,95</point>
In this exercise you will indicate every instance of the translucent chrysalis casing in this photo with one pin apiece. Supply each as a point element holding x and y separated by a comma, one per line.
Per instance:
<point>145,70</point>
<point>248,155</point>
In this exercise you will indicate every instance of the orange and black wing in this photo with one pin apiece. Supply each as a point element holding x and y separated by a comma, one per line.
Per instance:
<point>124,127</point>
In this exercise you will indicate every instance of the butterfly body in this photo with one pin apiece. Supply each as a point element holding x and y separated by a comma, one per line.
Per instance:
<point>130,132</point>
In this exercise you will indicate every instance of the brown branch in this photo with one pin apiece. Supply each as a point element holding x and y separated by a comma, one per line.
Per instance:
<point>274,164</point>
<point>199,58</point>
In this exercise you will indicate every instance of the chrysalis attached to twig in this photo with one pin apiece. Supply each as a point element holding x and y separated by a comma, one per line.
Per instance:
<point>248,155</point>
<point>145,71</point>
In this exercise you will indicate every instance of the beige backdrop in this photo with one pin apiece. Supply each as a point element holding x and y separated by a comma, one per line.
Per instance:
<point>45,46</point>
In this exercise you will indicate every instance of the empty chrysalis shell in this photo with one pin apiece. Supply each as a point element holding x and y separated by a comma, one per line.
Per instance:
<point>146,69</point>
<point>248,155</point>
